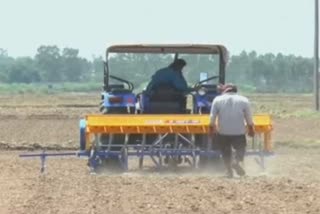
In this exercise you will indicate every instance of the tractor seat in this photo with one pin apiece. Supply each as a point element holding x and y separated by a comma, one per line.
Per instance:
<point>165,100</point>
<point>164,108</point>
<point>165,93</point>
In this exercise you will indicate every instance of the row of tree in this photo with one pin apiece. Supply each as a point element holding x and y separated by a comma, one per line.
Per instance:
<point>265,73</point>
<point>272,73</point>
<point>49,65</point>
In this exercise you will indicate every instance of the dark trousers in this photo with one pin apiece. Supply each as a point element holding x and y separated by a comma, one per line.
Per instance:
<point>227,142</point>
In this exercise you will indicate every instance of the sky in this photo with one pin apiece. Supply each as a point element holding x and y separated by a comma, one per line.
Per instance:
<point>266,26</point>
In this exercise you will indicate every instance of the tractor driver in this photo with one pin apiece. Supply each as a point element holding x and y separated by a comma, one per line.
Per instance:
<point>171,75</point>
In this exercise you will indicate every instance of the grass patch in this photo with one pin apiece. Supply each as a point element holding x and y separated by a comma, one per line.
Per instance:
<point>307,113</point>
<point>247,89</point>
<point>284,105</point>
<point>42,88</point>
<point>308,144</point>
<point>303,114</point>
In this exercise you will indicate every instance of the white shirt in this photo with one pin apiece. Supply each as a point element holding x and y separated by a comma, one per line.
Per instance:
<point>232,111</point>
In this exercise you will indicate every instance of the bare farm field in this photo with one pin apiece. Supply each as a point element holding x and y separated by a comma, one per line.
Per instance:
<point>290,184</point>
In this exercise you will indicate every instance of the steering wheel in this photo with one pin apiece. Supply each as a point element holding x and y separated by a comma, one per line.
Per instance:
<point>128,83</point>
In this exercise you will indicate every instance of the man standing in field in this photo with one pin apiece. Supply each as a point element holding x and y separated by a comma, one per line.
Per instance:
<point>232,111</point>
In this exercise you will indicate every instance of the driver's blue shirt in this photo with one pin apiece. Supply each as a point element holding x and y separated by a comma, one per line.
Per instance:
<point>168,76</point>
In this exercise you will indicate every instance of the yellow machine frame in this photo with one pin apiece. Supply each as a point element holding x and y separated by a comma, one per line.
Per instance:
<point>161,124</point>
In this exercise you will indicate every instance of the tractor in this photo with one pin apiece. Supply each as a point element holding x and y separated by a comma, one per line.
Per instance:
<point>120,97</point>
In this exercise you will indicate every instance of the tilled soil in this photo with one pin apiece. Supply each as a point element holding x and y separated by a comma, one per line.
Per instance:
<point>67,187</point>
<point>290,184</point>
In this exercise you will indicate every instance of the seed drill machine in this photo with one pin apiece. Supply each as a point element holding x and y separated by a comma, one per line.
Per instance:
<point>136,125</point>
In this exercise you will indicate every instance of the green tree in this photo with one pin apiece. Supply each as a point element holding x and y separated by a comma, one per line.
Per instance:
<point>97,69</point>
<point>239,69</point>
<point>266,73</point>
<point>73,67</point>
<point>5,64</point>
<point>49,62</point>
<point>23,71</point>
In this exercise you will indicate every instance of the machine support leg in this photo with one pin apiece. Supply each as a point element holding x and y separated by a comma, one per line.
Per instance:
<point>154,161</point>
<point>160,153</point>
<point>43,161</point>
<point>176,156</point>
<point>260,160</point>
<point>143,143</point>
<point>110,141</point>
<point>261,153</point>
<point>124,158</point>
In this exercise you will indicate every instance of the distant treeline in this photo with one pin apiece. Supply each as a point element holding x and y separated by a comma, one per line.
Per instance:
<point>272,73</point>
<point>49,65</point>
<point>261,73</point>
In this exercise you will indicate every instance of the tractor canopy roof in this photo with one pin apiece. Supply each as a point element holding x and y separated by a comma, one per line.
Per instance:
<point>171,49</point>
